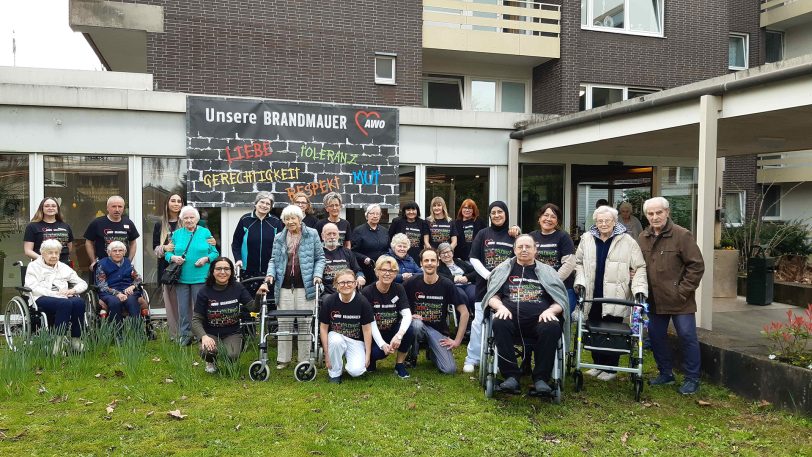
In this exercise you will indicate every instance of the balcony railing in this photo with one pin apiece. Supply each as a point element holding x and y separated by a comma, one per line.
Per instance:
<point>785,13</point>
<point>522,28</point>
<point>793,166</point>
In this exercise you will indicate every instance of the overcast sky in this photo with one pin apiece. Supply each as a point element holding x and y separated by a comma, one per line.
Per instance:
<point>43,36</point>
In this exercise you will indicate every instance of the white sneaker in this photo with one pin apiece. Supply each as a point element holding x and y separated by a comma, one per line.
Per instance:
<point>77,344</point>
<point>606,376</point>
<point>468,368</point>
<point>593,372</point>
<point>211,368</point>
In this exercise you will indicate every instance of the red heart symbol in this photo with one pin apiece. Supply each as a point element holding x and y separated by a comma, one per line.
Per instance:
<point>366,114</point>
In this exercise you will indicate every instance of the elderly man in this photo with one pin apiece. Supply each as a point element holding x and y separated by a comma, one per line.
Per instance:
<point>674,266</point>
<point>112,227</point>
<point>337,258</point>
<point>528,301</point>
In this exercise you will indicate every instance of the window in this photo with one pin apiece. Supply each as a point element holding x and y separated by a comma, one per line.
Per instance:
<point>455,184</point>
<point>734,208</point>
<point>625,16</point>
<point>14,217</point>
<point>594,96</point>
<point>512,97</point>
<point>737,51</point>
<point>771,202</point>
<point>450,92</point>
<point>539,184</point>
<point>774,46</point>
<point>483,95</point>
<point>384,68</point>
<point>444,93</point>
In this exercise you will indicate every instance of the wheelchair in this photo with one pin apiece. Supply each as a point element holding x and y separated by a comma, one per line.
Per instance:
<point>96,309</point>
<point>618,337</point>
<point>489,361</point>
<point>22,317</point>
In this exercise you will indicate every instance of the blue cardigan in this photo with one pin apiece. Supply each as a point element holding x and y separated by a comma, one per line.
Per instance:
<point>200,247</point>
<point>311,260</point>
<point>405,265</point>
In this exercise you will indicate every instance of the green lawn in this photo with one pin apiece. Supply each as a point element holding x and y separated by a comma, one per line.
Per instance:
<point>59,405</point>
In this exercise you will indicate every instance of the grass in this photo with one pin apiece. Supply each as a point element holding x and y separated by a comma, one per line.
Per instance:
<point>107,401</point>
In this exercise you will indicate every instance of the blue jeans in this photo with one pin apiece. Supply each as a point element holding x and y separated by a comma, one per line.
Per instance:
<point>187,294</point>
<point>686,331</point>
<point>115,306</point>
<point>443,358</point>
<point>65,310</point>
<point>573,299</point>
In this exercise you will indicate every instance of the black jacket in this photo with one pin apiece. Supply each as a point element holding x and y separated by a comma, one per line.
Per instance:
<point>470,273</point>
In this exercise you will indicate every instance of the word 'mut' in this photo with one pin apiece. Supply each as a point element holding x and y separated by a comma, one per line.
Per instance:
<point>366,177</point>
<point>328,155</point>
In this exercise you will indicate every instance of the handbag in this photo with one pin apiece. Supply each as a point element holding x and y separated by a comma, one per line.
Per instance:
<point>171,274</point>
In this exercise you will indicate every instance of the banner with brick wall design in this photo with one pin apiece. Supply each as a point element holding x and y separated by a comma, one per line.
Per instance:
<point>238,147</point>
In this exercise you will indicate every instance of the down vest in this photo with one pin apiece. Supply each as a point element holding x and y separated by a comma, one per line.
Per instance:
<point>311,260</point>
<point>624,255</point>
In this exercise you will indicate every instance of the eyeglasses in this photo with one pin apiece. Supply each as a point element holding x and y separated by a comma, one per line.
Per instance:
<point>221,269</point>
<point>301,203</point>
<point>345,283</point>
<point>387,271</point>
<point>604,221</point>
<point>334,205</point>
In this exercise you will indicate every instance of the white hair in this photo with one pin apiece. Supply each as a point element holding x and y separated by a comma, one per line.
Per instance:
<point>604,210</point>
<point>115,197</point>
<point>115,244</point>
<point>624,205</point>
<point>50,246</point>
<point>371,207</point>
<point>400,238</point>
<point>292,211</point>
<point>189,209</point>
<point>657,201</point>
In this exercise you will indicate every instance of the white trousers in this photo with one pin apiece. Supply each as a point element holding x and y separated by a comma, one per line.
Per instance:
<point>339,347</point>
<point>475,341</point>
<point>294,299</point>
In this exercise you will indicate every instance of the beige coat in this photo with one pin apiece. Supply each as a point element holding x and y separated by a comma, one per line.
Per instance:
<point>624,255</point>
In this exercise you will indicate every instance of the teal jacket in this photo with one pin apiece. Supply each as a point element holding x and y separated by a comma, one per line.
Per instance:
<point>199,247</point>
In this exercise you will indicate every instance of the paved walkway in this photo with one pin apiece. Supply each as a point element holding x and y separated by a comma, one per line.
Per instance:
<point>740,324</point>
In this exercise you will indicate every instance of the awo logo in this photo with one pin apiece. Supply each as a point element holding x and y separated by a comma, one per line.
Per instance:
<point>365,120</point>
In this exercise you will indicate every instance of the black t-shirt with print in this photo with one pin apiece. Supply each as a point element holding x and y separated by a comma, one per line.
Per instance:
<point>430,301</point>
<point>523,294</point>
<point>387,306</point>
<point>490,247</point>
<point>346,318</point>
<point>551,248</point>
<point>344,229</point>
<point>37,232</point>
<point>221,308</point>
<point>415,231</point>
<point>102,231</point>
<point>441,231</point>
<point>336,260</point>
<point>466,232</point>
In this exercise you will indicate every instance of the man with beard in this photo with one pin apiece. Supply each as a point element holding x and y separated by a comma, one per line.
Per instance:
<point>337,258</point>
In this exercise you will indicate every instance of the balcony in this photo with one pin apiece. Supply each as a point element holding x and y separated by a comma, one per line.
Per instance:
<point>793,166</point>
<point>783,14</point>
<point>503,31</point>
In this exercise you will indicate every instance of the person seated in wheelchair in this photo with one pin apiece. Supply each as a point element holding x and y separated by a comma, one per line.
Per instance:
<point>527,299</point>
<point>55,288</point>
<point>216,318</point>
<point>118,283</point>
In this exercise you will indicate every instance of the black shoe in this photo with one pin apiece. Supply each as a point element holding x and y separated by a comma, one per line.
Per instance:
<point>662,380</point>
<point>689,387</point>
<point>510,385</point>
<point>373,366</point>
<point>541,388</point>
<point>336,380</point>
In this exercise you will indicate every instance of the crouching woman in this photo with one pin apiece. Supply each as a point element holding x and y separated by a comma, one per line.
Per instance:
<point>345,328</point>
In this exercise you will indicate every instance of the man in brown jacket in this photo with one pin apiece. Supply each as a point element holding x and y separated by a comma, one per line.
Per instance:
<point>674,266</point>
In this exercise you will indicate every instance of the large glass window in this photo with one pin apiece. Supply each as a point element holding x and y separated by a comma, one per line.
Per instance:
<point>630,16</point>
<point>737,51</point>
<point>483,95</point>
<point>443,93</point>
<point>14,216</point>
<point>774,46</point>
<point>771,202</point>
<point>734,208</point>
<point>594,96</point>
<point>455,184</point>
<point>613,183</point>
<point>512,97</point>
<point>82,185</point>
<point>539,185</point>
<point>681,192</point>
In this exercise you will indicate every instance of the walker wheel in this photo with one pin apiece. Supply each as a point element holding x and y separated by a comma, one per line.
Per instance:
<point>259,372</point>
<point>638,389</point>
<point>305,371</point>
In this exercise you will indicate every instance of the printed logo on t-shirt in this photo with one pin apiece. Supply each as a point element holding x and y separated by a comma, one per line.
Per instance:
<point>496,252</point>
<point>111,235</point>
<point>440,232</point>
<point>525,289</point>
<point>468,230</point>
<point>413,233</point>
<point>429,307</point>
<point>223,314</point>
<point>348,325</point>
<point>547,253</point>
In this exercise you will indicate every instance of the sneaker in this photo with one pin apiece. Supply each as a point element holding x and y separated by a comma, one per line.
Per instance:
<point>468,368</point>
<point>594,372</point>
<point>336,380</point>
<point>607,376</point>
<point>210,367</point>
<point>542,387</point>
<point>400,370</point>
<point>282,365</point>
<point>510,385</point>
<point>689,387</point>
<point>662,380</point>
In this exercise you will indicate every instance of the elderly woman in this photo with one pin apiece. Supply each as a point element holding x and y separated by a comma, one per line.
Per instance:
<point>301,200</point>
<point>295,270</point>
<point>632,224</point>
<point>410,224</point>
<point>190,250</point>
<point>399,250</point>
<point>117,281</point>
<point>55,288</point>
<point>441,228</point>
<point>253,237</point>
<point>460,272</point>
<point>216,319</point>
<point>332,204</point>
<point>554,247</point>
<point>607,260</point>
<point>370,241</point>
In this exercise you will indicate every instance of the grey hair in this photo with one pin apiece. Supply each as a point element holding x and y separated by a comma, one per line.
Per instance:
<point>50,246</point>
<point>605,210</point>
<point>400,238</point>
<point>442,247</point>
<point>624,205</point>
<point>263,195</point>
<point>115,197</point>
<point>189,209</point>
<point>115,244</point>
<point>292,211</point>
<point>330,196</point>
<point>329,224</point>
<point>655,201</point>
<point>370,208</point>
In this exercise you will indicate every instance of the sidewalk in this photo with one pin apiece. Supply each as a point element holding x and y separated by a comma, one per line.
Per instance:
<point>740,324</point>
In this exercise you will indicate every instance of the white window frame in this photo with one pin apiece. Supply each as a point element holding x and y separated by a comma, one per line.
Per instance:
<point>742,202</point>
<point>777,204</point>
<point>746,37</point>
<point>625,30</point>
<point>466,90</point>
<point>439,79</point>
<point>392,58</point>
<point>625,89</point>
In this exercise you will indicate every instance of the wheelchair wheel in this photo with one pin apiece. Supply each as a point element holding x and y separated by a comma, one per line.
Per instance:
<point>16,323</point>
<point>258,372</point>
<point>578,377</point>
<point>91,317</point>
<point>305,372</point>
<point>638,389</point>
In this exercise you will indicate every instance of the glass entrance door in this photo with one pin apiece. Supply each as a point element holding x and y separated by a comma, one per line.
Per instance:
<point>455,184</point>
<point>615,184</point>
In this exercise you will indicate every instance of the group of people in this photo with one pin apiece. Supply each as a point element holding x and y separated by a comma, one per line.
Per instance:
<point>388,290</point>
